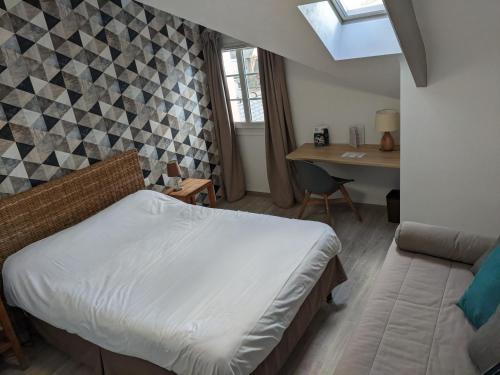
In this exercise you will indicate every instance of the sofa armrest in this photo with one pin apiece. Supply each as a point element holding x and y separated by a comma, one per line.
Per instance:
<point>441,242</point>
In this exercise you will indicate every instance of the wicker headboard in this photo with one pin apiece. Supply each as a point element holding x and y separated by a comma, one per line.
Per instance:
<point>58,204</point>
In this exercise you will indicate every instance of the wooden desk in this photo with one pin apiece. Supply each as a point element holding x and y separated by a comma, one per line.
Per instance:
<point>333,154</point>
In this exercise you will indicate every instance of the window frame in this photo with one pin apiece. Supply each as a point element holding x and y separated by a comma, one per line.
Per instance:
<point>344,17</point>
<point>248,123</point>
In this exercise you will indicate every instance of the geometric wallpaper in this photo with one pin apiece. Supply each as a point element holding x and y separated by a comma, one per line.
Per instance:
<point>82,80</point>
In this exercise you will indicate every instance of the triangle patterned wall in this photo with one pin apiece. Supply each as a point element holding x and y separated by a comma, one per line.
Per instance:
<point>82,80</point>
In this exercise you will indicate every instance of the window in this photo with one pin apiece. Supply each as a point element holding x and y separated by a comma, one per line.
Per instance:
<point>355,9</point>
<point>241,68</point>
<point>366,37</point>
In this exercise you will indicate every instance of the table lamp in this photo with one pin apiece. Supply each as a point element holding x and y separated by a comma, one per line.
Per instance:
<point>174,171</point>
<point>387,121</point>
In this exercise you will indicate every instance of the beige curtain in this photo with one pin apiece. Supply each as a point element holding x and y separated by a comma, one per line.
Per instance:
<point>280,138</point>
<point>233,178</point>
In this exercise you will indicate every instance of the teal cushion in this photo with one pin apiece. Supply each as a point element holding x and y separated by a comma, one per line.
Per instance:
<point>482,298</point>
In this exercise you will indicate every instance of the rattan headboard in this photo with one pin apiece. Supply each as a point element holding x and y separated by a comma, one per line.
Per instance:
<point>49,208</point>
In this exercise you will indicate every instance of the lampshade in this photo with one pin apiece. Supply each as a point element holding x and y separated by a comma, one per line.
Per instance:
<point>387,120</point>
<point>173,169</point>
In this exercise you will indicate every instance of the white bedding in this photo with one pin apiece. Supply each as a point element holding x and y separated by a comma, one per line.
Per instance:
<point>191,289</point>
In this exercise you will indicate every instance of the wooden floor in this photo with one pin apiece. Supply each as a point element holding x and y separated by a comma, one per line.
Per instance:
<point>364,248</point>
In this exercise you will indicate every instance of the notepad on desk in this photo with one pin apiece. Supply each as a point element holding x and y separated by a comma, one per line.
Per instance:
<point>353,155</point>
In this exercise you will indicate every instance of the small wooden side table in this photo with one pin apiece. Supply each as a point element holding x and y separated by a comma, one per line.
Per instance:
<point>11,341</point>
<point>191,187</point>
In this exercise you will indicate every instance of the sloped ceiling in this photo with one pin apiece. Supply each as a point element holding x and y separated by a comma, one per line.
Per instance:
<point>278,26</point>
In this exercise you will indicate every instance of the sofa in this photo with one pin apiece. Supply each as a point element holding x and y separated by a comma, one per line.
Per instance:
<point>411,324</point>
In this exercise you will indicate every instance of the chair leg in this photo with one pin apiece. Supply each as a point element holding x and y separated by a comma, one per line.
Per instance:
<point>347,197</point>
<point>304,204</point>
<point>327,207</point>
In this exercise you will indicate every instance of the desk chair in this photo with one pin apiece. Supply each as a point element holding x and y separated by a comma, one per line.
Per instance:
<point>315,180</point>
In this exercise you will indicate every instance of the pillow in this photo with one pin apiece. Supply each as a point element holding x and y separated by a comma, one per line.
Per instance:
<point>484,346</point>
<point>477,264</point>
<point>482,298</point>
<point>441,242</point>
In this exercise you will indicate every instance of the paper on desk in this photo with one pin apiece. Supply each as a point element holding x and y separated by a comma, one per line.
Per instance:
<point>353,155</point>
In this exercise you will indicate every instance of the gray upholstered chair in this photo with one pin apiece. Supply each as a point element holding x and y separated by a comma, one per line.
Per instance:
<point>315,180</point>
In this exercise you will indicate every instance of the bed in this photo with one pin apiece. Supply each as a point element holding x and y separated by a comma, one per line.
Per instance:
<point>132,281</point>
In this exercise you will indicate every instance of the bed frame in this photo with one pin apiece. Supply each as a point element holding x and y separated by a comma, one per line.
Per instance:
<point>49,208</point>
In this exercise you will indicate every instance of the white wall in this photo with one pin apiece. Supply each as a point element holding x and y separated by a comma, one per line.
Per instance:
<point>317,100</point>
<point>451,130</point>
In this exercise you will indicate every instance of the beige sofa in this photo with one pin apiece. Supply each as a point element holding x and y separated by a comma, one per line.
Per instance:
<point>411,324</point>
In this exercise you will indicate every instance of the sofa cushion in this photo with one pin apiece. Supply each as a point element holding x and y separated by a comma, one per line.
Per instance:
<point>482,297</point>
<point>477,264</point>
<point>411,324</point>
<point>441,242</point>
<point>484,347</point>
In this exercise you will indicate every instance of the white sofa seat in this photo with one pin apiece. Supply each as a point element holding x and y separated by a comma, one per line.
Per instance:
<point>411,324</point>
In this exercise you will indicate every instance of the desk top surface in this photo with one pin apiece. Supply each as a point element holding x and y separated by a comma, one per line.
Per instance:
<point>333,154</point>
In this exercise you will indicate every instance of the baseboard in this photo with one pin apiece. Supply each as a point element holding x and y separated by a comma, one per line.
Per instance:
<point>258,194</point>
<point>268,195</point>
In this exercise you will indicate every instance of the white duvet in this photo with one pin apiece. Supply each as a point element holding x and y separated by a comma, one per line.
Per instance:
<point>191,289</point>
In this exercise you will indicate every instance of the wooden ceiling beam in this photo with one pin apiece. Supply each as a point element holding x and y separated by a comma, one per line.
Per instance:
<point>405,25</point>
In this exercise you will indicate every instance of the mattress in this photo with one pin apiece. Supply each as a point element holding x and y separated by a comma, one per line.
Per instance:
<point>191,289</point>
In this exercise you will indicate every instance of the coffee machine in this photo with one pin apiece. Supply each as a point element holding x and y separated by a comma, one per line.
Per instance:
<point>321,137</point>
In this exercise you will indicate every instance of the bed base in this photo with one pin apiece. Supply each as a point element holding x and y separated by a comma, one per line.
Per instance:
<point>101,361</point>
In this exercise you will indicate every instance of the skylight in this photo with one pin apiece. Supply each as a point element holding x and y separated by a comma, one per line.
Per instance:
<point>366,37</point>
<point>354,9</point>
